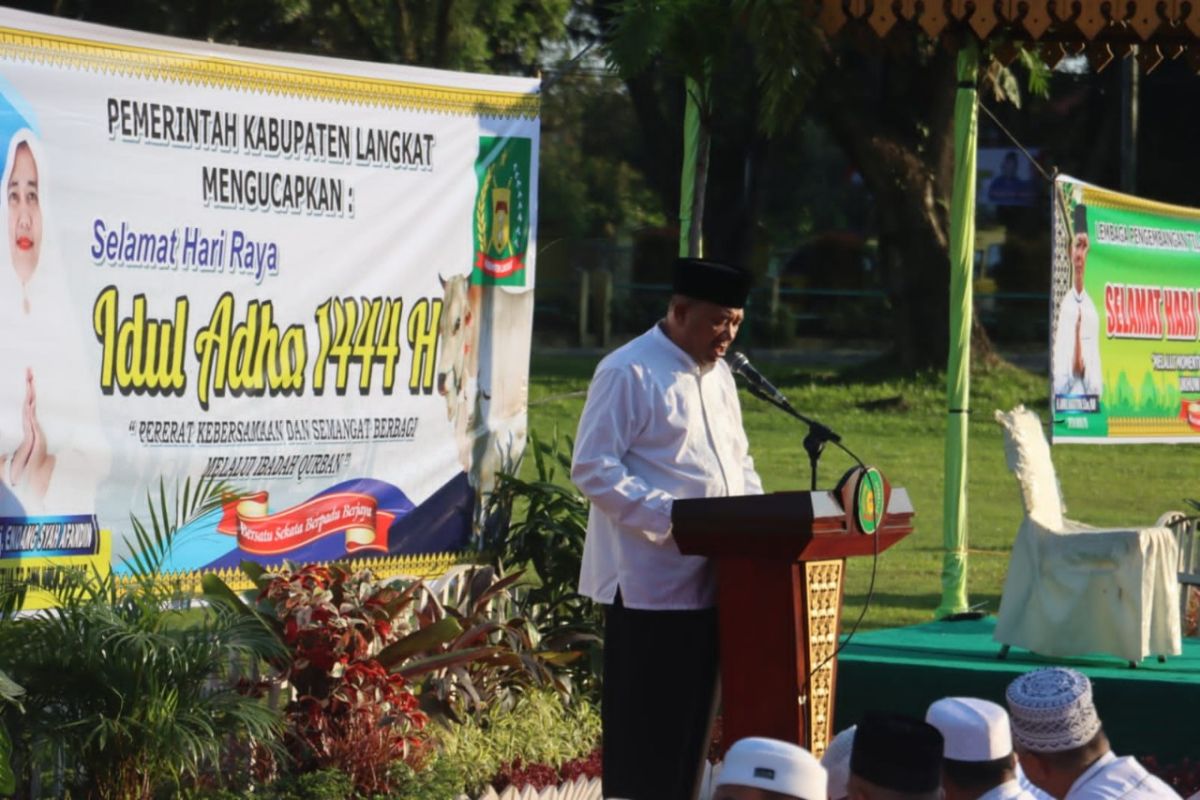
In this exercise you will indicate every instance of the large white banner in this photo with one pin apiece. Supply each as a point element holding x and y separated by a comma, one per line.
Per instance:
<point>310,279</point>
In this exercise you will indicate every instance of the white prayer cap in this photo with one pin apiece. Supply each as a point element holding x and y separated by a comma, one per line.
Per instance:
<point>974,730</point>
<point>1052,710</point>
<point>836,762</point>
<point>771,764</point>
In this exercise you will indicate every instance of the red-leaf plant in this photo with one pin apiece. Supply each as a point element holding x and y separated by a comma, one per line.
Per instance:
<point>355,642</point>
<point>347,710</point>
<point>520,775</point>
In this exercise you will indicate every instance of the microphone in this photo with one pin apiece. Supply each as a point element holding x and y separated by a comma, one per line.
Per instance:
<point>818,434</point>
<point>766,390</point>
<point>742,366</point>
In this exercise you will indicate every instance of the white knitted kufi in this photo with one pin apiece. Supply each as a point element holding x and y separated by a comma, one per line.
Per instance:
<point>1052,710</point>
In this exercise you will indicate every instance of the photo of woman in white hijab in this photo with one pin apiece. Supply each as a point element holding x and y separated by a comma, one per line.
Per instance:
<point>51,448</point>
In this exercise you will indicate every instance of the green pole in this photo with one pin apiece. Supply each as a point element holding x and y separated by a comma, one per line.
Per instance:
<point>958,367</point>
<point>691,158</point>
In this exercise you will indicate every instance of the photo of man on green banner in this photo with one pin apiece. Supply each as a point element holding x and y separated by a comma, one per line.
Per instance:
<point>1125,349</point>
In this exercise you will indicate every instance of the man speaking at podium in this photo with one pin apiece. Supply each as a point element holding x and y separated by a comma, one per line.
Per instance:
<point>662,421</point>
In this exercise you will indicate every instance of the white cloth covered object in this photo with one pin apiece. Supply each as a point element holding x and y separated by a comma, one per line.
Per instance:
<point>1073,589</point>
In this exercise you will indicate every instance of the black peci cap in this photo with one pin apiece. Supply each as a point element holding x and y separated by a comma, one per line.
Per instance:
<point>1079,218</point>
<point>898,753</point>
<point>723,284</point>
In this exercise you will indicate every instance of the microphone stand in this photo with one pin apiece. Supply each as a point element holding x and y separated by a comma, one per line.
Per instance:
<point>818,435</point>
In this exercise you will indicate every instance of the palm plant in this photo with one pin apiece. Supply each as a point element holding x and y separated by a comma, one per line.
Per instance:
<point>130,689</point>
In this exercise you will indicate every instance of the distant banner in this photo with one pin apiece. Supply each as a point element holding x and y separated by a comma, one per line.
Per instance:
<point>1125,350</point>
<point>303,284</point>
<point>1006,177</point>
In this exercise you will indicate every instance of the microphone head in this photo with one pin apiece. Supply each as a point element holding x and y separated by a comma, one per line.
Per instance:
<point>737,362</point>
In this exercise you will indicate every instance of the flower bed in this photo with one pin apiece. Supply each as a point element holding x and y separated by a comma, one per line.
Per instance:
<point>408,695</point>
<point>520,775</point>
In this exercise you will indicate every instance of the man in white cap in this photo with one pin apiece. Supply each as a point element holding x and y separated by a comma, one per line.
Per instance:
<point>836,762</point>
<point>978,762</point>
<point>768,769</point>
<point>1062,747</point>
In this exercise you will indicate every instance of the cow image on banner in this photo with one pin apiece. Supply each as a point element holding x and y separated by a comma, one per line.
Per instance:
<point>482,313</point>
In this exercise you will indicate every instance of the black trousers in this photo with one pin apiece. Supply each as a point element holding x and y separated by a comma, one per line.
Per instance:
<point>660,671</point>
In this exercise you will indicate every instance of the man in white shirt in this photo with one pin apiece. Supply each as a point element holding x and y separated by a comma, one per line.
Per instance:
<point>758,768</point>
<point>1062,746</point>
<point>978,762</point>
<point>662,421</point>
<point>1076,354</point>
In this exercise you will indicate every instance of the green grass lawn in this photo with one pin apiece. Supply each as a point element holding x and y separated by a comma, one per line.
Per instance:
<point>899,426</point>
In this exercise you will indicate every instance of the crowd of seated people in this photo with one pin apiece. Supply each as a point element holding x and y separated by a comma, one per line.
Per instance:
<point>1049,743</point>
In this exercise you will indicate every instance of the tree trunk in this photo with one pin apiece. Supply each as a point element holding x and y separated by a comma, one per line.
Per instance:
<point>659,110</point>
<point>894,118</point>
<point>736,195</point>
<point>441,38</point>
<point>699,183</point>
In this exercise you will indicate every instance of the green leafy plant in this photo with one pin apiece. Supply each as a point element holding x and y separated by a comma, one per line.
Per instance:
<point>10,697</point>
<point>155,537</point>
<point>326,784</point>
<point>129,688</point>
<point>539,729</point>
<point>438,779</point>
<point>545,541</point>
<point>547,533</point>
<point>514,658</point>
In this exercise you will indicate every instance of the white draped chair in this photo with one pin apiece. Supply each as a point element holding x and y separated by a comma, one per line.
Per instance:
<point>1073,589</point>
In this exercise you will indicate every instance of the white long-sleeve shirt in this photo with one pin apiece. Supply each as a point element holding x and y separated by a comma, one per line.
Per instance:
<point>1077,308</point>
<point>1113,778</point>
<point>656,426</point>
<point>1014,790</point>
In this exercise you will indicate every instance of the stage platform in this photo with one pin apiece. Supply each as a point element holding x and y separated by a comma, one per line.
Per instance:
<point>1153,709</point>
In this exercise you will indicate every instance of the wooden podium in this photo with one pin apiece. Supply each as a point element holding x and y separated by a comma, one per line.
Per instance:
<point>780,560</point>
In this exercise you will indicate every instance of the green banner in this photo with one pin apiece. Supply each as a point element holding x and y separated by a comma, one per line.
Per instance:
<point>1125,330</point>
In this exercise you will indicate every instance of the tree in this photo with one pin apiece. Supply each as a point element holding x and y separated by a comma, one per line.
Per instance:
<point>589,188</point>
<point>891,114</point>
<point>503,36</point>
<point>716,50</point>
<point>692,38</point>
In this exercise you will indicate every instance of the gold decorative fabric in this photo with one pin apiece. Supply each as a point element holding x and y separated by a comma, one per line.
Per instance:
<point>1100,29</point>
